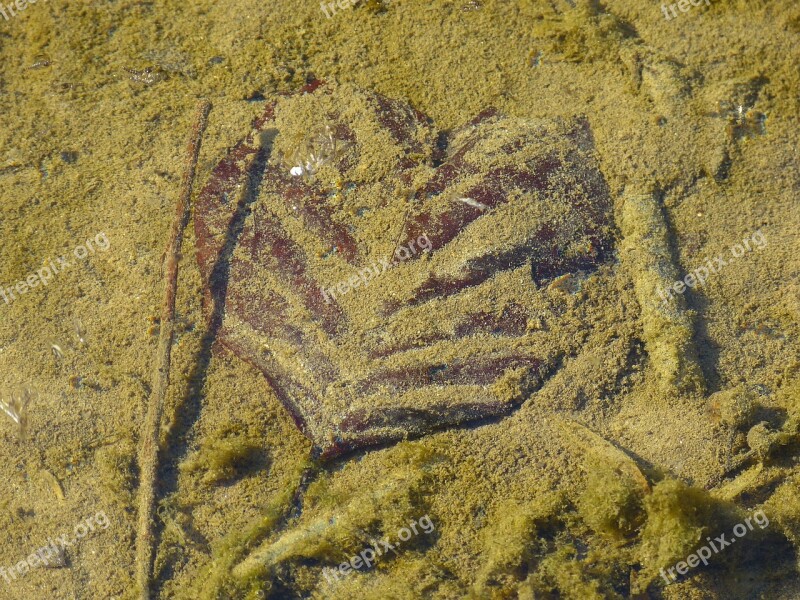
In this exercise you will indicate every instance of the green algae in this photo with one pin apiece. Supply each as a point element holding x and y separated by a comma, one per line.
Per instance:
<point>338,521</point>
<point>510,541</point>
<point>611,504</point>
<point>224,459</point>
<point>561,572</point>
<point>677,519</point>
<point>215,581</point>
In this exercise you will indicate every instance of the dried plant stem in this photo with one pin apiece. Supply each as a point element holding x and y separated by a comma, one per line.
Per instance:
<point>148,452</point>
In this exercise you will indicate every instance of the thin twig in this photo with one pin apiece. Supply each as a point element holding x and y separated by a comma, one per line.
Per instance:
<point>148,452</point>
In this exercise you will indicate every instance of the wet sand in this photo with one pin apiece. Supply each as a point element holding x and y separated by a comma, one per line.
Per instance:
<point>619,466</point>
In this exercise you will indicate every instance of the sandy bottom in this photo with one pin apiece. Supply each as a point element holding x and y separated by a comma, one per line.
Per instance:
<point>669,425</point>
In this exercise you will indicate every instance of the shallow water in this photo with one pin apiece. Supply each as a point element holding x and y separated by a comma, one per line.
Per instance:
<point>664,420</point>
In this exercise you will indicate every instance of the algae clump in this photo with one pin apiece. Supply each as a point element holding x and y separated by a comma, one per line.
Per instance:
<point>562,570</point>
<point>677,519</point>
<point>611,504</point>
<point>510,540</point>
<point>223,459</point>
<point>340,518</point>
<point>215,581</point>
